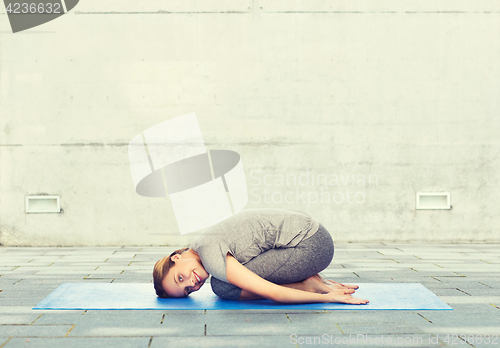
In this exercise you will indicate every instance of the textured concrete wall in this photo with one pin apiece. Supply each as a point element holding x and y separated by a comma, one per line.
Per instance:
<point>384,98</point>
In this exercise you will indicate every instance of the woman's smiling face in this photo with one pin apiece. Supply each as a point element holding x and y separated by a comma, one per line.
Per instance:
<point>185,277</point>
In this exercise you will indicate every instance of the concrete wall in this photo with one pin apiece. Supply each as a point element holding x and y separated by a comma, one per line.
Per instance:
<point>405,93</point>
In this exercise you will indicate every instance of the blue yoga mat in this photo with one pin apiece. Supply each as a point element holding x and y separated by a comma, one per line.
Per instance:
<point>395,296</point>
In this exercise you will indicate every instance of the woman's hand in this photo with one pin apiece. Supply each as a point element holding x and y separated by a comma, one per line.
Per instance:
<point>343,296</point>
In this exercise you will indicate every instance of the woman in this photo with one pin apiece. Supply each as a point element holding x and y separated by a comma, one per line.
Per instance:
<point>274,254</point>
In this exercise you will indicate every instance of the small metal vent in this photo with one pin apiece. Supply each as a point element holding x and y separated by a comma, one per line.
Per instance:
<point>433,200</point>
<point>43,204</point>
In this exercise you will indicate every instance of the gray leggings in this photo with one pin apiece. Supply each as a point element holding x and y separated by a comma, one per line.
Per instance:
<point>285,265</point>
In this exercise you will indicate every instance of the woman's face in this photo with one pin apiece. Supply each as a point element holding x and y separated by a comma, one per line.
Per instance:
<point>185,277</point>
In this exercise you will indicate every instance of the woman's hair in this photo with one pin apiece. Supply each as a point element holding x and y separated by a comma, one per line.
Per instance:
<point>161,269</point>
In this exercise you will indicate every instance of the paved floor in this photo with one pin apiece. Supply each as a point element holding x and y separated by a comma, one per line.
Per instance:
<point>466,276</point>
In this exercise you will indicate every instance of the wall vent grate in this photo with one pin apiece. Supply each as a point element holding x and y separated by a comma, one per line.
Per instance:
<point>43,204</point>
<point>433,200</point>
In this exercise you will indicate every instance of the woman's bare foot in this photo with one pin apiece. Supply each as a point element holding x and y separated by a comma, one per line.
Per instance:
<point>334,285</point>
<point>315,284</point>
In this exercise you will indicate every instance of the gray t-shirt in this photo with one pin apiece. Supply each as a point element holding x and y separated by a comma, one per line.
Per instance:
<point>249,233</point>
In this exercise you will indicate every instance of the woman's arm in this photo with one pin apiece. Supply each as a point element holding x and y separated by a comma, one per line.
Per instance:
<point>242,277</point>
<point>255,287</point>
<point>247,295</point>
